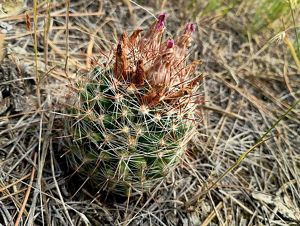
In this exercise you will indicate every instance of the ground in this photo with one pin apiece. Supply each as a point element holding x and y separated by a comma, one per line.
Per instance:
<point>250,87</point>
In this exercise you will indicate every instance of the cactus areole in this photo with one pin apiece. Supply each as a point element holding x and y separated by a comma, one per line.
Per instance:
<point>134,116</point>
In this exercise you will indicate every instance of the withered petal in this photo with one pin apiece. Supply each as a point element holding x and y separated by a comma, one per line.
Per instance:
<point>133,37</point>
<point>139,75</point>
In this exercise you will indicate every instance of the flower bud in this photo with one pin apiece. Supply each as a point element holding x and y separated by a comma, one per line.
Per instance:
<point>161,21</point>
<point>190,28</point>
<point>170,43</point>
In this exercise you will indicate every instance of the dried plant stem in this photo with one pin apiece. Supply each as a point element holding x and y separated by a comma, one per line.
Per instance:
<point>292,7</point>
<point>38,92</point>
<point>261,140</point>
<point>293,51</point>
<point>2,36</point>
<point>67,36</point>
<point>27,193</point>
<point>212,215</point>
<point>2,189</point>
<point>57,186</point>
<point>46,31</point>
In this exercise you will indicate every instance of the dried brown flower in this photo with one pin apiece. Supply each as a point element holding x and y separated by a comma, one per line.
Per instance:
<point>158,65</point>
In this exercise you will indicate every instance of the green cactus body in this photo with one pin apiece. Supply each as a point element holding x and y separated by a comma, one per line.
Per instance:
<point>124,138</point>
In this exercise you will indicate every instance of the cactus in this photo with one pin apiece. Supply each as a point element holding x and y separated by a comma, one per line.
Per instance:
<point>134,116</point>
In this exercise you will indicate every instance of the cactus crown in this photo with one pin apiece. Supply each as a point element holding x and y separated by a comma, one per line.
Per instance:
<point>133,117</point>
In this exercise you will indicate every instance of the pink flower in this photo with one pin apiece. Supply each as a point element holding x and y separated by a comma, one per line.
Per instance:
<point>190,28</point>
<point>170,43</point>
<point>161,21</point>
<point>162,17</point>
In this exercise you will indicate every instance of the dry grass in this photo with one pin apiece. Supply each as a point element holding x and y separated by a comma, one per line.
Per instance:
<point>246,88</point>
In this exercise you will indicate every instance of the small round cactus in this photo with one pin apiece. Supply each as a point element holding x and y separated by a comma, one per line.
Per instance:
<point>134,116</point>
